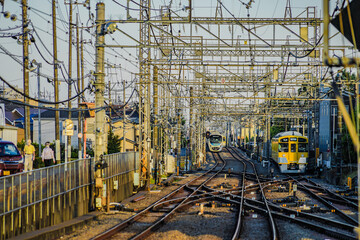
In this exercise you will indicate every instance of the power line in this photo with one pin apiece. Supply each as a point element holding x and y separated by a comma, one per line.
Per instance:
<point>39,100</point>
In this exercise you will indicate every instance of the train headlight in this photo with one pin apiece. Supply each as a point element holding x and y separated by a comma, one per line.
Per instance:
<point>283,155</point>
<point>302,155</point>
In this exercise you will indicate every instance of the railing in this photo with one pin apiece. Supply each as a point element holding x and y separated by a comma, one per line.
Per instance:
<point>120,163</point>
<point>48,196</point>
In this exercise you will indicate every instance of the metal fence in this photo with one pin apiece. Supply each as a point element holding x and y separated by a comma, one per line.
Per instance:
<point>51,195</point>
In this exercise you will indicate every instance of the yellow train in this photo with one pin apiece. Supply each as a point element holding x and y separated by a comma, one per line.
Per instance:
<point>290,151</point>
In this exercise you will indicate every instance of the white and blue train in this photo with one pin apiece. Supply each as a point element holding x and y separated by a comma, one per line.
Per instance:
<point>216,142</point>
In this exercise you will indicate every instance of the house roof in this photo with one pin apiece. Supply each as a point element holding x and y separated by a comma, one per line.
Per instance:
<point>64,114</point>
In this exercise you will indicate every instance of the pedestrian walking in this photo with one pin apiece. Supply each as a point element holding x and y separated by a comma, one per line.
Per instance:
<point>29,155</point>
<point>47,155</point>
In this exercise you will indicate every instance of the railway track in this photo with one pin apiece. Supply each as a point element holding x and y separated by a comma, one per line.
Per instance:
<point>176,200</point>
<point>323,225</point>
<point>272,225</point>
<point>242,197</point>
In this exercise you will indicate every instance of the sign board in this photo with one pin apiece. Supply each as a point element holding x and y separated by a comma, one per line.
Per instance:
<point>67,132</point>
<point>68,124</point>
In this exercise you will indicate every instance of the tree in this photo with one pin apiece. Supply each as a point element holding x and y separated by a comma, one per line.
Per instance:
<point>113,142</point>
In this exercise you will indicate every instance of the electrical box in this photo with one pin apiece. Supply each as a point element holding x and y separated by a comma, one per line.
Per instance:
<point>136,179</point>
<point>276,74</point>
<point>98,202</point>
<point>104,191</point>
<point>98,182</point>
<point>116,184</point>
<point>304,34</point>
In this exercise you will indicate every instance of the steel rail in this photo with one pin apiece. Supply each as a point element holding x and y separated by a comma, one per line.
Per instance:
<point>327,204</point>
<point>271,220</point>
<point>239,223</point>
<point>347,202</point>
<point>115,229</point>
<point>340,225</point>
<point>318,228</point>
<point>151,228</point>
<point>330,222</point>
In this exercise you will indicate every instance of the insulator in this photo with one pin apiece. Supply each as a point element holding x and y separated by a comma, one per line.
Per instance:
<point>13,17</point>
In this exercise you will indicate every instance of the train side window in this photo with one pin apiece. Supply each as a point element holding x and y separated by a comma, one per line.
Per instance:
<point>283,147</point>
<point>293,147</point>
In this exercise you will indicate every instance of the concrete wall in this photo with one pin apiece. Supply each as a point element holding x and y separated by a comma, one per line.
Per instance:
<point>8,133</point>
<point>131,133</point>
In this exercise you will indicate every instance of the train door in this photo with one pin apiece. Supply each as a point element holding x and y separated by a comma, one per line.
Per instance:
<point>293,152</point>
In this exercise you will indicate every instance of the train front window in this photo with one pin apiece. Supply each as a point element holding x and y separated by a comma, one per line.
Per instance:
<point>293,147</point>
<point>303,147</point>
<point>215,139</point>
<point>283,147</point>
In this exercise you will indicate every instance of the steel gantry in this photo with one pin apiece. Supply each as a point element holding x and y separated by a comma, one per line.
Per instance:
<point>209,69</point>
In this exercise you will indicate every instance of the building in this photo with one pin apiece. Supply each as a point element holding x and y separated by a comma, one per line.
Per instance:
<point>47,134</point>
<point>131,129</point>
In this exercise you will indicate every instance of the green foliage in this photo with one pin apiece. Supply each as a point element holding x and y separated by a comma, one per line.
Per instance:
<point>74,153</point>
<point>347,146</point>
<point>247,139</point>
<point>90,152</point>
<point>38,163</point>
<point>113,142</point>
<point>275,130</point>
<point>278,125</point>
<point>21,145</point>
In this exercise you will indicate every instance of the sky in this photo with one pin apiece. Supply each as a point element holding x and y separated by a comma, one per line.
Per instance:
<point>123,63</point>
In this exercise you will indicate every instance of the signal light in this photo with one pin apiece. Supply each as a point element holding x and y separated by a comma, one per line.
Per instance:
<point>207,135</point>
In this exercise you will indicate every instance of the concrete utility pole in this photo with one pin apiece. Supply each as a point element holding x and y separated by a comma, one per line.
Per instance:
<point>156,129</point>
<point>124,117</point>
<point>178,132</point>
<point>25,39</point>
<point>191,123</point>
<point>68,147</point>
<point>79,78</point>
<point>39,110</point>
<point>82,95</point>
<point>99,92</point>
<point>56,85</point>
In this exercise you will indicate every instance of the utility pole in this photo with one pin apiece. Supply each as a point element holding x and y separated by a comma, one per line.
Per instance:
<point>110,102</point>
<point>99,93</point>
<point>124,117</point>
<point>82,95</point>
<point>56,85</point>
<point>191,123</point>
<point>68,147</point>
<point>156,129</point>
<point>25,39</point>
<point>79,78</point>
<point>178,131</point>
<point>39,110</point>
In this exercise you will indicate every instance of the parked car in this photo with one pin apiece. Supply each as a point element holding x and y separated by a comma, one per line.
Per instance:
<point>11,161</point>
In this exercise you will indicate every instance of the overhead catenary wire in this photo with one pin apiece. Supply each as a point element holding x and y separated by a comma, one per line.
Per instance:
<point>50,108</point>
<point>42,101</point>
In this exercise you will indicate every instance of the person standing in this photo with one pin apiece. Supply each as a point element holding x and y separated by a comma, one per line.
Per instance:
<point>47,155</point>
<point>29,155</point>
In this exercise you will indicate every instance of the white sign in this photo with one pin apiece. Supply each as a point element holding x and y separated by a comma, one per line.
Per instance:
<point>68,132</point>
